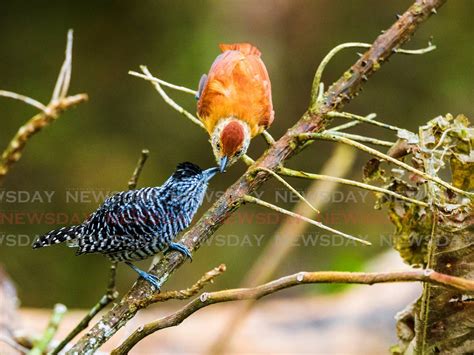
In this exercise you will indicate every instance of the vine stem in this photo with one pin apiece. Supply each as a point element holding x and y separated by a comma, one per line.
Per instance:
<point>374,152</point>
<point>305,175</point>
<point>262,203</point>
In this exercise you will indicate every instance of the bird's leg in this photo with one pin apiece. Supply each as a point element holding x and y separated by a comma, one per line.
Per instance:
<point>182,249</point>
<point>268,138</point>
<point>152,279</point>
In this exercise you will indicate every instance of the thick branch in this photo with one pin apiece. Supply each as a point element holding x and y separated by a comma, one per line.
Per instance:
<point>339,93</point>
<point>300,278</point>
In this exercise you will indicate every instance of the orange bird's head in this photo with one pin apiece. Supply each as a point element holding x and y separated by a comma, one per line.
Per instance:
<point>235,101</point>
<point>230,140</point>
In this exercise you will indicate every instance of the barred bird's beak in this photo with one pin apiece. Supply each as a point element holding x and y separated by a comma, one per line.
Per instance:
<point>223,163</point>
<point>209,173</point>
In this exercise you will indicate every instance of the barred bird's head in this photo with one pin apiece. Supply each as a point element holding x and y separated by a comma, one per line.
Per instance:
<point>189,175</point>
<point>186,188</point>
<point>230,140</point>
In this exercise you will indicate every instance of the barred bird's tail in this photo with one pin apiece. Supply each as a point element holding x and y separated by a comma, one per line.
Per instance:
<point>56,236</point>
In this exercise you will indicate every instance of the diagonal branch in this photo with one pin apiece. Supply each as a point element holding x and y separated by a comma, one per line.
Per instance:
<point>168,99</point>
<point>300,278</point>
<point>339,93</point>
<point>251,199</point>
<point>153,79</point>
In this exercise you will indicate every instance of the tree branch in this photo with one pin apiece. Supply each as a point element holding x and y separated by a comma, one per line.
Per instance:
<point>301,278</point>
<point>42,345</point>
<point>342,91</point>
<point>59,103</point>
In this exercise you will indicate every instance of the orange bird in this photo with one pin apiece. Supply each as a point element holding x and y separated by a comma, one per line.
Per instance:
<point>235,101</point>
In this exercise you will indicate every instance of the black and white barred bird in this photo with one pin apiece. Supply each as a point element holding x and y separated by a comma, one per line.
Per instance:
<point>137,224</point>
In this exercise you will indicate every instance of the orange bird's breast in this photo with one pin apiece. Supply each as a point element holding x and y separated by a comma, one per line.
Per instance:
<point>237,85</point>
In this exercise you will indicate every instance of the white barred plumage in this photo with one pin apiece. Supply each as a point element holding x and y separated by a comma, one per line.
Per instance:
<point>137,224</point>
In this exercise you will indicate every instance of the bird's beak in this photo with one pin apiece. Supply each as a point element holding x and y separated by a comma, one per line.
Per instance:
<point>209,173</point>
<point>223,163</point>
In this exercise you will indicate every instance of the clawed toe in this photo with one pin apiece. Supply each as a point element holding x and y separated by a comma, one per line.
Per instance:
<point>182,249</point>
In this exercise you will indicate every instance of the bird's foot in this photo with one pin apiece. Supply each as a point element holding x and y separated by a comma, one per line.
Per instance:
<point>151,279</point>
<point>182,249</point>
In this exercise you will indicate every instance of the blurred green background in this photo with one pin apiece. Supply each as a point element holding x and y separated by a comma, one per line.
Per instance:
<point>95,146</point>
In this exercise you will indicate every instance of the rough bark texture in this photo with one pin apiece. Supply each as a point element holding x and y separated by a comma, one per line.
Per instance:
<point>346,88</point>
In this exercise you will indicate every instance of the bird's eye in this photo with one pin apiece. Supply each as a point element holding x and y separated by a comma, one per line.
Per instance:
<point>218,146</point>
<point>239,152</point>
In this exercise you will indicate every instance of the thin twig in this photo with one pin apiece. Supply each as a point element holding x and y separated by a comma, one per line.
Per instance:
<point>42,345</point>
<point>64,78</point>
<point>169,100</point>
<point>247,160</point>
<point>337,49</point>
<point>111,293</point>
<point>206,279</point>
<point>300,278</point>
<point>154,79</point>
<point>365,119</point>
<point>365,139</point>
<point>305,175</point>
<point>132,183</point>
<point>347,125</point>
<point>13,344</point>
<point>291,188</point>
<point>259,202</point>
<point>268,138</point>
<point>383,156</point>
<point>27,100</point>
<point>315,92</point>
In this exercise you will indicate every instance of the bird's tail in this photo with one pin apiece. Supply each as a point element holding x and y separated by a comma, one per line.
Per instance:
<point>244,48</point>
<point>56,236</point>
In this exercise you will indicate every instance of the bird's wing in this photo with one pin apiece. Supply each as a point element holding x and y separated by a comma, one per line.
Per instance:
<point>123,222</point>
<point>237,85</point>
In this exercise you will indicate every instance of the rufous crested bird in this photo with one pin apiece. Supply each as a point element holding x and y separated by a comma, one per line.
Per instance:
<point>235,101</point>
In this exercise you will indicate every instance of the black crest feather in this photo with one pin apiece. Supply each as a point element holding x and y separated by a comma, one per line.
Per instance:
<point>187,169</point>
